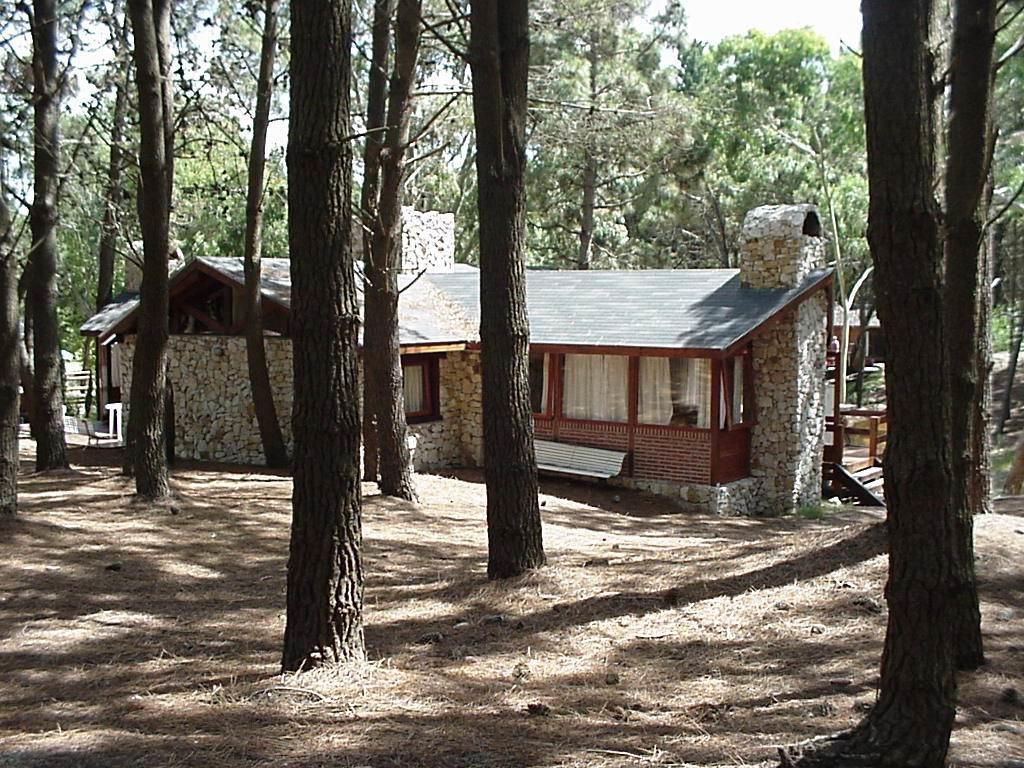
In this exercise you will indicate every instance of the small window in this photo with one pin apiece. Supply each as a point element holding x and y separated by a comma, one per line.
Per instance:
<point>420,390</point>
<point>539,382</point>
<point>675,391</point>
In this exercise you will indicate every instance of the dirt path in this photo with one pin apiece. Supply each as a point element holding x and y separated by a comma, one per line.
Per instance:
<point>136,636</point>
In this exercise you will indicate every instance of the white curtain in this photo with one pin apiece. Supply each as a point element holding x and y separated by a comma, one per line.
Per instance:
<point>737,390</point>
<point>595,387</point>
<point>412,388</point>
<point>675,391</point>
<point>539,389</point>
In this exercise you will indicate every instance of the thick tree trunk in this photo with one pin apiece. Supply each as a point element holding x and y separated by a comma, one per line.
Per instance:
<point>968,160</point>
<point>10,359</point>
<point>910,722</point>
<point>376,105</point>
<point>499,57</point>
<point>325,572</point>
<point>259,378</point>
<point>48,400</point>
<point>146,449</point>
<point>382,359</point>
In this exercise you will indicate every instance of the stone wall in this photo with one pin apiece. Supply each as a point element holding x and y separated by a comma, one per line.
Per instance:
<point>740,498</point>
<point>428,240</point>
<point>453,441</point>
<point>789,359</point>
<point>215,419</point>
<point>460,374</point>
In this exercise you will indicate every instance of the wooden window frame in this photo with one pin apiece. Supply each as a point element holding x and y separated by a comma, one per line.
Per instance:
<point>549,381</point>
<point>750,412</point>
<point>431,410</point>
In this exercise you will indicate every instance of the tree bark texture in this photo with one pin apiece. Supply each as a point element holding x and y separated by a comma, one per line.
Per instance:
<point>499,56</point>
<point>151,28</point>
<point>376,106</point>
<point>48,398</point>
<point>969,147</point>
<point>325,571</point>
<point>911,720</point>
<point>10,365</point>
<point>382,358</point>
<point>256,353</point>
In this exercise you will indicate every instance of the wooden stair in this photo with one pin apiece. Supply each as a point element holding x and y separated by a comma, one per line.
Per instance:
<point>864,485</point>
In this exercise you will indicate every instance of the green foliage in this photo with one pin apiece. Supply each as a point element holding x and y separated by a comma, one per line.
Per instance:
<point>1002,329</point>
<point>603,99</point>
<point>782,122</point>
<point>811,512</point>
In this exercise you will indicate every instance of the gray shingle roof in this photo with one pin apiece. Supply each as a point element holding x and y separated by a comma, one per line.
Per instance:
<point>704,309</point>
<point>112,314</point>
<point>654,308</point>
<point>425,316</point>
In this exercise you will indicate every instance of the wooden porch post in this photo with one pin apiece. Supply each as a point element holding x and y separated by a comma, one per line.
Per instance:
<point>716,415</point>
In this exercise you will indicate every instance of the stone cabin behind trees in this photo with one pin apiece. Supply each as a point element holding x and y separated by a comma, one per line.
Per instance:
<point>710,382</point>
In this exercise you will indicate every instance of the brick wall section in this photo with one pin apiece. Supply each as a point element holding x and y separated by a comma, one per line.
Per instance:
<point>682,456</point>
<point>594,434</point>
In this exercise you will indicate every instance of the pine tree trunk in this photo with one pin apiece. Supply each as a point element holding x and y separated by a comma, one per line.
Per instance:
<point>967,164</point>
<point>499,55</point>
<point>376,105</point>
<point>146,449</point>
<point>383,361</point>
<point>256,353</point>
<point>48,400</point>
<point>325,572</point>
<point>911,720</point>
<point>10,359</point>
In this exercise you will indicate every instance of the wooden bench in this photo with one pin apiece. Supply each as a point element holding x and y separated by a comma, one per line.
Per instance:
<point>566,459</point>
<point>97,431</point>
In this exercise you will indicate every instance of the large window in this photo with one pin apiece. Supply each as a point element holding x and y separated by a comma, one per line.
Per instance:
<point>675,391</point>
<point>595,387</point>
<point>539,382</point>
<point>420,390</point>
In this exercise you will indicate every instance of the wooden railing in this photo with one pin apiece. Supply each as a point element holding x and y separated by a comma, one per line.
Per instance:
<point>859,422</point>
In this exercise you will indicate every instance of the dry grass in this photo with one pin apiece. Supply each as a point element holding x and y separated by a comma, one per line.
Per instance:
<point>137,636</point>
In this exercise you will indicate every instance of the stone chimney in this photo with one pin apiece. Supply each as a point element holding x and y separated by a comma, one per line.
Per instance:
<point>780,246</point>
<point>428,241</point>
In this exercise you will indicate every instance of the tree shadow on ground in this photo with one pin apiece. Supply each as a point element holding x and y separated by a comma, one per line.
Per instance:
<point>135,636</point>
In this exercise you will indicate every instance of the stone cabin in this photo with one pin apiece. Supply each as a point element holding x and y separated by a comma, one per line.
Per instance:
<point>710,382</point>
